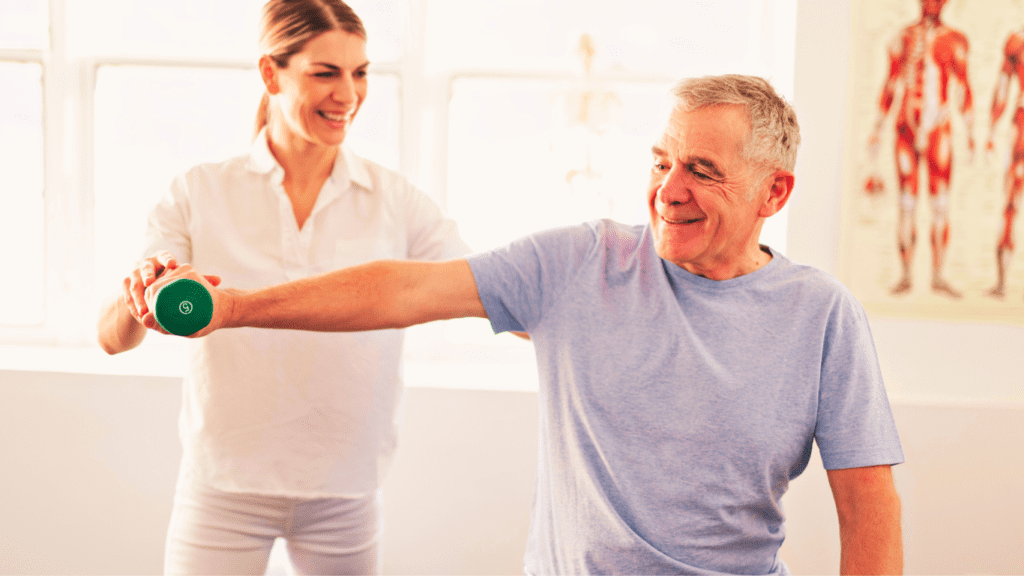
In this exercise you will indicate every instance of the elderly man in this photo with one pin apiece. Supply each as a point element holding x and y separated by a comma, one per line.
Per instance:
<point>685,369</point>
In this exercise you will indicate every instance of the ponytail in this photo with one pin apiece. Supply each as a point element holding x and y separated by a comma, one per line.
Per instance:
<point>262,114</point>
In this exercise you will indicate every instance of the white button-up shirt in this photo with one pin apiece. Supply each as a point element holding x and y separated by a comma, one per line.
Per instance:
<point>284,412</point>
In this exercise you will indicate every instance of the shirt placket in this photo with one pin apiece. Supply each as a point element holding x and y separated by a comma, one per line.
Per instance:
<point>294,242</point>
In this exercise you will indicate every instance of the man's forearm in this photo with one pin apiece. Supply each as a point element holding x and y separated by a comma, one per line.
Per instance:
<point>372,296</point>
<point>869,520</point>
<point>872,543</point>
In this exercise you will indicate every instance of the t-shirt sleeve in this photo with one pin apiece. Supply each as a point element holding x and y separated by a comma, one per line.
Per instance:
<point>855,425</point>
<point>431,234</point>
<point>167,226</point>
<point>520,282</point>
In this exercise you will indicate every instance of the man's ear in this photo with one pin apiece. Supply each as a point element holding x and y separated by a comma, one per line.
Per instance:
<point>778,193</point>
<point>268,73</point>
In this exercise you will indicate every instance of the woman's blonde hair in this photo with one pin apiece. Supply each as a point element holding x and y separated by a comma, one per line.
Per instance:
<point>286,27</point>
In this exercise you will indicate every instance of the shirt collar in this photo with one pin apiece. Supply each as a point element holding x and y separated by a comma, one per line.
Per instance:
<point>348,168</point>
<point>351,167</point>
<point>261,160</point>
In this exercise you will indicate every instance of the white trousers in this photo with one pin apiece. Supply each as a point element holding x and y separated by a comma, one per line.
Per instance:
<point>215,532</point>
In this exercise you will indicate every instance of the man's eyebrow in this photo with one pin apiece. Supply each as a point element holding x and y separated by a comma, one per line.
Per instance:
<point>658,151</point>
<point>706,164</point>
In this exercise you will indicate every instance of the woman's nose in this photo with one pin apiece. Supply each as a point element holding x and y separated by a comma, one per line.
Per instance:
<point>344,89</point>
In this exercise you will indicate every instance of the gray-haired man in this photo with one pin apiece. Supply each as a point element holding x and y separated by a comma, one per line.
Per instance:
<point>685,369</point>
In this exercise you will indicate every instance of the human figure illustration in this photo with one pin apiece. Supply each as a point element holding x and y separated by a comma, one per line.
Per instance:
<point>928,63</point>
<point>1014,182</point>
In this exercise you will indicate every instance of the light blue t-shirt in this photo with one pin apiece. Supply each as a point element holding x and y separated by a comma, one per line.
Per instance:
<point>674,409</point>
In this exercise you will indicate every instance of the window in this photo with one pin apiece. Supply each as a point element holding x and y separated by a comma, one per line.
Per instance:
<point>515,114</point>
<point>22,211</point>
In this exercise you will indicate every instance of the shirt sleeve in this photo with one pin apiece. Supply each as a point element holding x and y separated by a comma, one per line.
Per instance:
<point>520,282</point>
<point>167,226</point>
<point>855,425</point>
<point>431,234</point>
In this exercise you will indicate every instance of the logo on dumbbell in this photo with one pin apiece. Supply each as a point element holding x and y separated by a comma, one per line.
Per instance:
<point>185,307</point>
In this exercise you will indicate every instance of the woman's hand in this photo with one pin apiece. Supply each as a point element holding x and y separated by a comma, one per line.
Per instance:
<point>144,274</point>
<point>221,298</point>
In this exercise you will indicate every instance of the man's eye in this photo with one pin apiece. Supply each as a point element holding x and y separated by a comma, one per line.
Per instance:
<point>324,74</point>
<point>661,167</point>
<point>361,74</point>
<point>698,174</point>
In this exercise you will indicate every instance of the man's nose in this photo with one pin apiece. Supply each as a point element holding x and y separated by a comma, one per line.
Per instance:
<point>675,188</point>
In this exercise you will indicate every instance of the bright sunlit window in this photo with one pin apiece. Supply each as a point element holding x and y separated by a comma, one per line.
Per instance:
<point>516,115</point>
<point>21,202</point>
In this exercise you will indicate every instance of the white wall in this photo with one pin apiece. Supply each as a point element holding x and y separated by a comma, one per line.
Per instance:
<point>957,389</point>
<point>87,462</point>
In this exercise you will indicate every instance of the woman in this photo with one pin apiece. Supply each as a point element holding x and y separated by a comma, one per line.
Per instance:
<point>286,434</point>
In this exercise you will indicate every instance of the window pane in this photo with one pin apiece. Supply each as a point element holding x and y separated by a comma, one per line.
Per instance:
<point>678,38</point>
<point>525,155</point>
<point>200,28</point>
<point>383,22</point>
<point>182,29</point>
<point>153,123</point>
<point>375,132</point>
<point>23,24</point>
<point>21,192</point>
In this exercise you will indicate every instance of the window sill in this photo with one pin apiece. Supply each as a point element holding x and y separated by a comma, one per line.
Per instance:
<point>151,359</point>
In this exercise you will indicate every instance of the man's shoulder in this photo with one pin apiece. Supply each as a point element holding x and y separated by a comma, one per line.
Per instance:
<point>807,281</point>
<point>612,233</point>
<point>580,245</point>
<point>603,232</point>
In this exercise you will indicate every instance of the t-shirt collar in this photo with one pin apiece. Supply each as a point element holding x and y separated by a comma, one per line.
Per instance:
<point>687,276</point>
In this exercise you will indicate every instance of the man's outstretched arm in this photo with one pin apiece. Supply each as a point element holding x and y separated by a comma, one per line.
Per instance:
<point>377,295</point>
<point>869,520</point>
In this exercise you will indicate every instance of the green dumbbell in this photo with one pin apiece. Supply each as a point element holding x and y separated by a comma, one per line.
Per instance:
<point>183,307</point>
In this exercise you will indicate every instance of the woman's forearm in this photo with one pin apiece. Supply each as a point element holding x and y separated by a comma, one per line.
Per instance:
<point>117,330</point>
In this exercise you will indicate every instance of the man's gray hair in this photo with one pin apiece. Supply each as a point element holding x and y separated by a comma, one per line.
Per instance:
<point>774,134</point>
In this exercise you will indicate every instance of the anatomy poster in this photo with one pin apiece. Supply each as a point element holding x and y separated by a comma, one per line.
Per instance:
<point>935,159</point>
